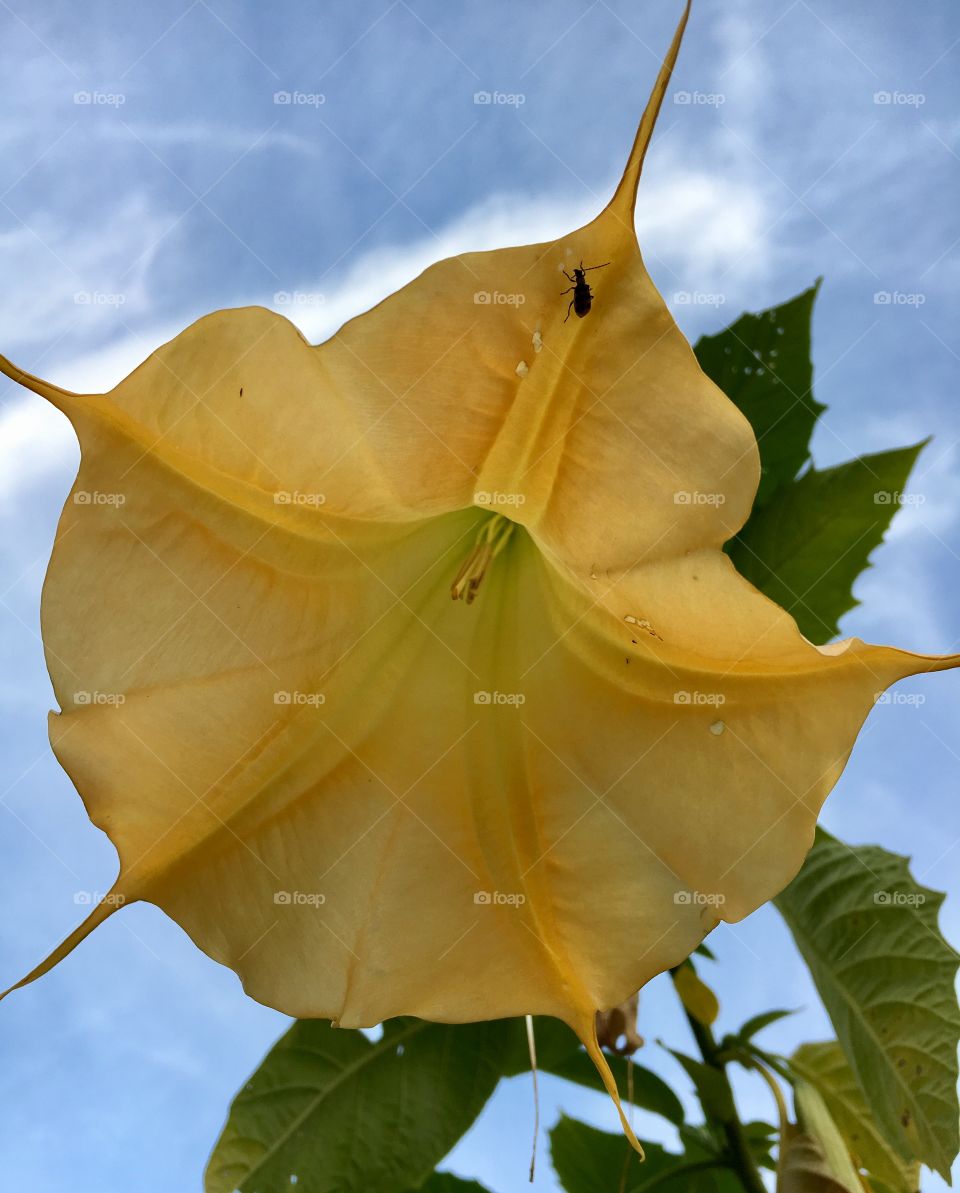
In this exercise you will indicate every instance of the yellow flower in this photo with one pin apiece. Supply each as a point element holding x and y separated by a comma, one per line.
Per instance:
<point>369,799</point>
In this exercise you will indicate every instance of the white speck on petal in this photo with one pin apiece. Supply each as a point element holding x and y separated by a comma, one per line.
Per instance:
<point>717,728</point>
<point>537,341</point>
<point>523,369</point>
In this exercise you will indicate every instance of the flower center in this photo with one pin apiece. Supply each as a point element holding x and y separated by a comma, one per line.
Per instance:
<point>491,539</point>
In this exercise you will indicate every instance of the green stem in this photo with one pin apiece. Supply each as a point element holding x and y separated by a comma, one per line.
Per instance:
<point>740,1156</point>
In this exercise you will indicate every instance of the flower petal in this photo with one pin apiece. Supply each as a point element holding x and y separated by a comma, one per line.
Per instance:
<point>370,800</point>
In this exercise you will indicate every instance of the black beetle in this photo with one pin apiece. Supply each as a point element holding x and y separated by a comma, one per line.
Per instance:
<point>582,294</point>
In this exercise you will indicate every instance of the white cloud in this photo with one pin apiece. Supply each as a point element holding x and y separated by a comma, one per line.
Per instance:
<point>74,281</point>
<point>221,137</point>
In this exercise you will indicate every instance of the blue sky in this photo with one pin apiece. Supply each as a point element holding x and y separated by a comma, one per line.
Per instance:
<point>181,186</point>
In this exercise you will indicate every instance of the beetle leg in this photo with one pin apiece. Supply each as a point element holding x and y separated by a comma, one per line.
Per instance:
<point>568,310</point>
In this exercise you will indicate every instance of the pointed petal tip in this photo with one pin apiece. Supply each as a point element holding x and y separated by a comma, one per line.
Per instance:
<point>585,1026</point>
<point>625,197</point>
<point>103,910</point>
<point>60,398</point>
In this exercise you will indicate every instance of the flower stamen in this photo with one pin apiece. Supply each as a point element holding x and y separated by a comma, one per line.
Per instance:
<point>491,539</point>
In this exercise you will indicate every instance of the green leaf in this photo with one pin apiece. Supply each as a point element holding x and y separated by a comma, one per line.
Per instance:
<point>759,1022</point>
<point>559,1052</point>
<point>761,1139</point>
<point>446,1182</point>
<point>711,1085</point>
<point>587,1160</point>
<point>705,1141</point>
<point>816,1119</point>
<point>808,545</point>
<point>762,363</point>
<point>825,1067</point>
<point>591,1161</point>
<point>869,935</point>
<point>342,1113</point>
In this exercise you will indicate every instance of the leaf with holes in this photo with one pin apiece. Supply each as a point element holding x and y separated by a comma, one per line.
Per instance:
<point>869,935</point>
<point>762,363</point>
<point>341,1113</point>
<point>825,1067</point>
